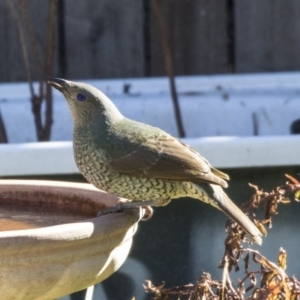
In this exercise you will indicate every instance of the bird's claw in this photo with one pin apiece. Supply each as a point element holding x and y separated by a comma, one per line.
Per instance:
<point>148,213</point>
<point>123,206</point>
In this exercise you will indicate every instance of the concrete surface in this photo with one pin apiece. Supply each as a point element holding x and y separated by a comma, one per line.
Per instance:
<point>217,105</point>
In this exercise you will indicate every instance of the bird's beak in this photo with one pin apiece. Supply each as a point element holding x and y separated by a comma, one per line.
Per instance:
<point>59,84</point>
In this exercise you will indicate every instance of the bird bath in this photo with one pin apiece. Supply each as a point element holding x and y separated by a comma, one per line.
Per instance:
<point>51,242</point>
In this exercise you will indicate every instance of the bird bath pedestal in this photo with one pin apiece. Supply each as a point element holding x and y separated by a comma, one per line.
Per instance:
<point>51,242</point>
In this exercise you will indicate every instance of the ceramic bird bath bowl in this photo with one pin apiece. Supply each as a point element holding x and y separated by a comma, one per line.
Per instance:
<point>51,242</point>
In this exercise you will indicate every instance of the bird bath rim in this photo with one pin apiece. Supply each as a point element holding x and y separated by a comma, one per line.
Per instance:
<point>57,197</point>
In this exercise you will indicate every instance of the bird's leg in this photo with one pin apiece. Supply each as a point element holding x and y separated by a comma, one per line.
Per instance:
<point>121,206</point>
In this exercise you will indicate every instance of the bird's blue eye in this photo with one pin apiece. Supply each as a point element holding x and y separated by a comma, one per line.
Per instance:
<point>81,97</point>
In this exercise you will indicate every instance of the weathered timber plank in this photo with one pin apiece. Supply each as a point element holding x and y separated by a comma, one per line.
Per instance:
<point>11,57</point>
<point>197,32</point>
<point>267,35</point>
<point>104,39</point>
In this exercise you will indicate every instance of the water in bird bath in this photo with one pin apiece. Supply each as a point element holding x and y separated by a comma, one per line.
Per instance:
<point>13,218</point>
<point>40,210</point>
<point>26,204</point>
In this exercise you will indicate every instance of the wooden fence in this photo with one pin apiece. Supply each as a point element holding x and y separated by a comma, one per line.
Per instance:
<point>121,38</point>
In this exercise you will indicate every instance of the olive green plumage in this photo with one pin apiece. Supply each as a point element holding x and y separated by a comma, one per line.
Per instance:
<point>140,162</point>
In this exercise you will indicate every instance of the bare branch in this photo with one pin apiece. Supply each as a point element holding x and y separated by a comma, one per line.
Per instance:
<point>21,34</point>
<point>168,63</point>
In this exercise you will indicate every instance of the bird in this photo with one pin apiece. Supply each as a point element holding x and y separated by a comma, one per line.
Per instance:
<point>139,162</point>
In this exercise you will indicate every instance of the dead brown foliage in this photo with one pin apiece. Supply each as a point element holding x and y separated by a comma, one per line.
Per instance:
<point>262,279</point>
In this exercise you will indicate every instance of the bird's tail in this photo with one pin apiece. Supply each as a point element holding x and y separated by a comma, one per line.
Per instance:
<point>230,209</point>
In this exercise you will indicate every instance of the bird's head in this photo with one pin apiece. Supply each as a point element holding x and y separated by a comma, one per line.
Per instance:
<point>86,102</point>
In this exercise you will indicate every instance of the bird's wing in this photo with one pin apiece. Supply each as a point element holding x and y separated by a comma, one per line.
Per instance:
<point>165,157</point>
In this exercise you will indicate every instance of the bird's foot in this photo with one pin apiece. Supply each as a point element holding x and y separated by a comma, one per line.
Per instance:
<point>109,210</point>
<point>121,206</point>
